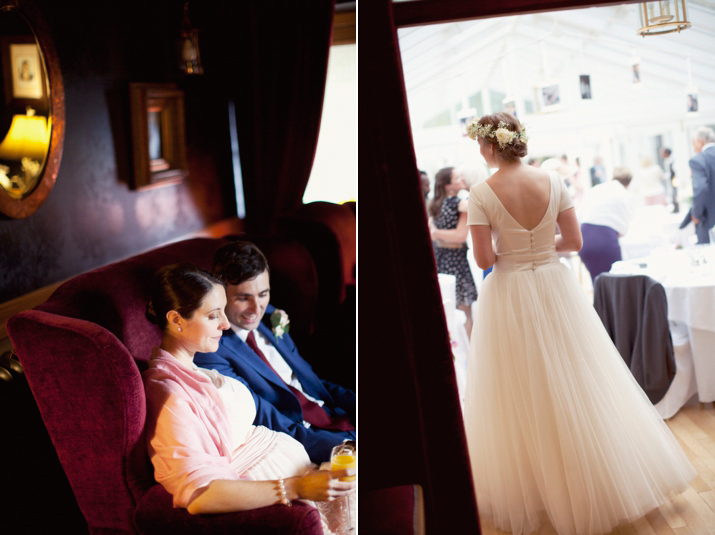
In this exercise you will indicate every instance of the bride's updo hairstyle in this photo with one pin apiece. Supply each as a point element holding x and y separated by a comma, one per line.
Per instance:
<point>512,150</point>
<point>181,287</point>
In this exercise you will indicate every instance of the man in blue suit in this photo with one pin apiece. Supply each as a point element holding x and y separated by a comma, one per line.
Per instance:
<point>702,167</point>
<point>289,396</point>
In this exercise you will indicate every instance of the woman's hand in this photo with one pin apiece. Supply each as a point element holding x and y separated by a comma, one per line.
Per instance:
<point>321,485</point>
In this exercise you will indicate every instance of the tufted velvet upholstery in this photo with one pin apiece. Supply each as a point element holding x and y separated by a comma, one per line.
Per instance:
<point>83,351</point>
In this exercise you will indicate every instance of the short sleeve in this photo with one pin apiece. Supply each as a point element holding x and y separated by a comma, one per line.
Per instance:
<point>476,213</point>
<point>565,201</point>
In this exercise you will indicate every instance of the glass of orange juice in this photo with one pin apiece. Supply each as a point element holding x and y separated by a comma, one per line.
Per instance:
<point>345,456</point>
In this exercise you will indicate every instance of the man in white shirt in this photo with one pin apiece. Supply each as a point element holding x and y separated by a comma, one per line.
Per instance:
<point>605,214</point>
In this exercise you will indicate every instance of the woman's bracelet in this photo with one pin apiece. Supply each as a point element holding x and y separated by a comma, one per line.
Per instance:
<point>282,494</point>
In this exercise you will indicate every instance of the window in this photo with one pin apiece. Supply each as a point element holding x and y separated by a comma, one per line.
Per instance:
<point>333,177</point>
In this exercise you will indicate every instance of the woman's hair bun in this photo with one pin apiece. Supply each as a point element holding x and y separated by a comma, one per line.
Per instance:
<point>150,314</point>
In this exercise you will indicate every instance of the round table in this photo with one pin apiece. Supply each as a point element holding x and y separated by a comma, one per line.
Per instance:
<point>688,277</point>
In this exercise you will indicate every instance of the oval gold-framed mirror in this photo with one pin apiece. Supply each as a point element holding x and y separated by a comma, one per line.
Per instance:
<point>32,109</point>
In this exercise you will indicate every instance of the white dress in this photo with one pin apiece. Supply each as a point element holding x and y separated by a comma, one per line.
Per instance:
<point>200,429</point>
<point>555,421</point>
<point>259,453</point>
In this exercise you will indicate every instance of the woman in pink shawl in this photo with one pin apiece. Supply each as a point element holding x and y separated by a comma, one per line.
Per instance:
<point>202,442</point>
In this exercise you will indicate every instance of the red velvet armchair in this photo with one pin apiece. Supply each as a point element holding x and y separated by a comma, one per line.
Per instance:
<point>83,351</point>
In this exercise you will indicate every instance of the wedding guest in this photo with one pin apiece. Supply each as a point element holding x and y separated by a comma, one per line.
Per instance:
<point>671,184</point>
<point>201,439</point>
<point>605,214</point>
<point>424,183</point>
<point>448,227</point>
<point>702,168</point>
<point>598,173</point>
<point>650,182</point>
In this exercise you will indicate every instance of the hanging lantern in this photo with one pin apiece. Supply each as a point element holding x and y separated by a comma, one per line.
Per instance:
<point>662,17</point>
<point>189,55</point>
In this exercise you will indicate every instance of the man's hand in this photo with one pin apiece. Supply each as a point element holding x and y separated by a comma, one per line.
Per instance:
<point>696,221</point>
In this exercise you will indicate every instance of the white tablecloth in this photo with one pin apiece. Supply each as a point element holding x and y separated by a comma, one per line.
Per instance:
<point>688,276</point>
<point>654,227</point>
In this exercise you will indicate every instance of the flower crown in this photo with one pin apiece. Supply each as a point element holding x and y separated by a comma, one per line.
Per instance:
<point>503,135</point>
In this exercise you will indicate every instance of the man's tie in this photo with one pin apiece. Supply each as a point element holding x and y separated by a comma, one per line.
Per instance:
<point>313,413</point>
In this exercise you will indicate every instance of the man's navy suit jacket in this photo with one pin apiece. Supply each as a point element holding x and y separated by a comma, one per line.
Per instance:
<point>276,406</point>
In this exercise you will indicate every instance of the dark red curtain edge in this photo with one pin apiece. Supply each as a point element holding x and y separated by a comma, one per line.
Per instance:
<point>409,404</point>
<point>278,84</point>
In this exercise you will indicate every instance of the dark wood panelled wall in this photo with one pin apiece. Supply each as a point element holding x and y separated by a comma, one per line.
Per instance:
<point>93,216</point>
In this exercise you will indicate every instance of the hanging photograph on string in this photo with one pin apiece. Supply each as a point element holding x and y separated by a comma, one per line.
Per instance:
<point>549,97</point>
<point>636,70</point>
<point>692,100</point>
<point>585,85</point>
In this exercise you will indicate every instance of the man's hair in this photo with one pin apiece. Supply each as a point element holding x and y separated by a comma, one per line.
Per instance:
<point>238,261</point>
<point>706,134</point>
<point>666,151</point>
<point>623,175</point>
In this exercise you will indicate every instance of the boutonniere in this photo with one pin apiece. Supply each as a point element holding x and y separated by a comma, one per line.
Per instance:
<point>280,323</point>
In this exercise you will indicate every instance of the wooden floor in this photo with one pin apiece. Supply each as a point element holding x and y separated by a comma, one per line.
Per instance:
<point>691,513</point>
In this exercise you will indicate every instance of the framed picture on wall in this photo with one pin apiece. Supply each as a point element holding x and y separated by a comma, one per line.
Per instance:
<point>158,134</point>
<point>23,72</point>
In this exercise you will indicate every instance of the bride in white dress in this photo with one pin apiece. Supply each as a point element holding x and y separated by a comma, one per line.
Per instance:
<point>555,421</point>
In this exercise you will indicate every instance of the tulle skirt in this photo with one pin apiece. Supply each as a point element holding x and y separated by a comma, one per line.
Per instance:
<point>555,421</point>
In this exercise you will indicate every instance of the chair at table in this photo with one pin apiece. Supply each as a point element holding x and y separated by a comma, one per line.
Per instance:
<point>634,311</point>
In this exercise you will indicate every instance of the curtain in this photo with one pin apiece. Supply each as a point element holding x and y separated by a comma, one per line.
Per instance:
<point>410,419</point>
<point>276,77</point>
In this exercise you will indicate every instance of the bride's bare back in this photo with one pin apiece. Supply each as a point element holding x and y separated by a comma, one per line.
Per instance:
<point>524,191</point>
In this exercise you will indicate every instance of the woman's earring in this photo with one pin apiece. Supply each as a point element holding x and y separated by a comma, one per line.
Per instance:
<point>181,330</point>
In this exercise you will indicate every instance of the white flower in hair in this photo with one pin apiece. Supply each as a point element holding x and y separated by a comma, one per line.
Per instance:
<point>474,130</point>
<point>504,136</point>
